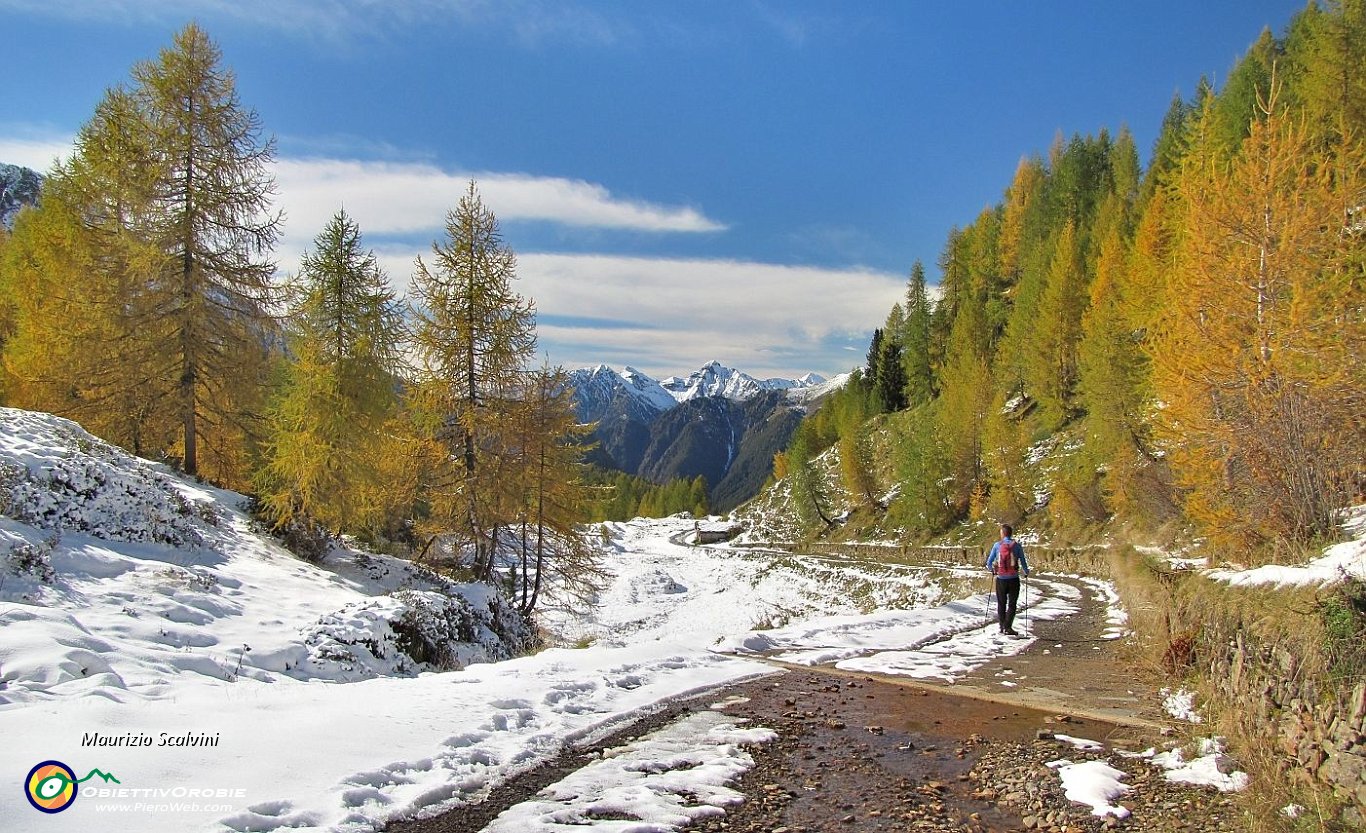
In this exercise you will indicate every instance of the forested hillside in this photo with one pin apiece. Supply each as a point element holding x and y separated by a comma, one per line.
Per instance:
<point>1190,332</point>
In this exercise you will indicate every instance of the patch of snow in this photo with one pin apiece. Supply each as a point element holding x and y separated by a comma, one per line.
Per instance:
<point>1082,743</point>
<point>1116,617</point>
<point>664,781</point>
<point>1212,768</point>
<point>1180,704</point>
<point>1338,563</point>
<point>1095,783</point>
<point>943,642</point>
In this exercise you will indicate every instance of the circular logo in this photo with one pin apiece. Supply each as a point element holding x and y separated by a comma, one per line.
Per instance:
<point>50,786</point>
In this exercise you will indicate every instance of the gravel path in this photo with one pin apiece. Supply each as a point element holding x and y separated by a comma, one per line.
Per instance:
<point>865,755</point>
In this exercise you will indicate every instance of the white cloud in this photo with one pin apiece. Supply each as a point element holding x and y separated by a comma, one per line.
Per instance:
<point>37,152</point>
<point>395,198</point>
<point>405,198</point>
<point>669,316</point>
<point>763,318</point>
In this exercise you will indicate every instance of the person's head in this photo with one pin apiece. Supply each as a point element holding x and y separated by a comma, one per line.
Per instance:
<point>1006,531</point>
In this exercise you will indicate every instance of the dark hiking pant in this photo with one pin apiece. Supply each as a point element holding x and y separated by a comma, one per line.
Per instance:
<point>1007,595</point>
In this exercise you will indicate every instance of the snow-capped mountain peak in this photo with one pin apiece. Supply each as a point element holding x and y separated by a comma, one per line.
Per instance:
<point>601,391</point>
<point>596,386</point>
<point>18,187</point>
<point>717,379</point>
<point>604,393</point>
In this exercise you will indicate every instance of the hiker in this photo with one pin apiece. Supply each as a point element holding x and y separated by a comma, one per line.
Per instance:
<point>1007,561</point>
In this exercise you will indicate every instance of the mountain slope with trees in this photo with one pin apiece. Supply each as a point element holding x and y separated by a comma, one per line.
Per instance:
<point>1153,356</point>
<point>1192,326</point>
<point>718,424</point>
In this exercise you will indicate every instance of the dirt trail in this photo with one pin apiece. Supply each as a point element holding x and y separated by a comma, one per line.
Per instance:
<point>1070,668</point>
<point>861,753</point>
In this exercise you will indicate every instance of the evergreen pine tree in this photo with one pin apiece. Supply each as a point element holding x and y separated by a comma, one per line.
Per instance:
<point>212,222</point>
<point>1168,148</point>
<point>870,373</point>
<point>473,337</point>
<point>1236,105</point>
<point>1052,371</point>
<point>890,385</point>
<point>322,455</point>
<point>916,340</point>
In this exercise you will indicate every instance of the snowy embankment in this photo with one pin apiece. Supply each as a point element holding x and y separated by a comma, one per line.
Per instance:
<point>1341,562</point>
<point>148,631</point>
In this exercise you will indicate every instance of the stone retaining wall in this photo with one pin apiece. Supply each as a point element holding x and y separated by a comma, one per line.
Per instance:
<point>1319,728</point>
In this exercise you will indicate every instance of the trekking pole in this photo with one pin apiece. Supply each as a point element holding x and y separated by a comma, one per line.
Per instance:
<point>1025,579</point>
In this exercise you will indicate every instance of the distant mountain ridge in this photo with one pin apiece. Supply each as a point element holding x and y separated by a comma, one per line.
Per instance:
<point>19,187</point>
<point>715,379</point>
<point>597,386</point>
<point>718,422</point>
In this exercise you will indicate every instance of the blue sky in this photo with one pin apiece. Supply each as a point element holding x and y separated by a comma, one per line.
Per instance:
<point>745,181</point>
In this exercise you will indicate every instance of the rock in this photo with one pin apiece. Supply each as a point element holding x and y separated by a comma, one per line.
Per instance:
<point>1225,765</point>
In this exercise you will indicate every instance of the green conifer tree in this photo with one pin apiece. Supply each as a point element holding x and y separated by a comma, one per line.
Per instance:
<point>1052,371</point>
<point>916,340</point>
<point>322,455</point>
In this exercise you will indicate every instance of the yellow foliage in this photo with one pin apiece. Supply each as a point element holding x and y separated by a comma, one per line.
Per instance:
<point>1256,362</point>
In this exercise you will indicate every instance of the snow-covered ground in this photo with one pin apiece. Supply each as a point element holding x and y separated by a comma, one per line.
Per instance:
<point>1338,563</point>
<point>149,632</point>
<point>152,634</point>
